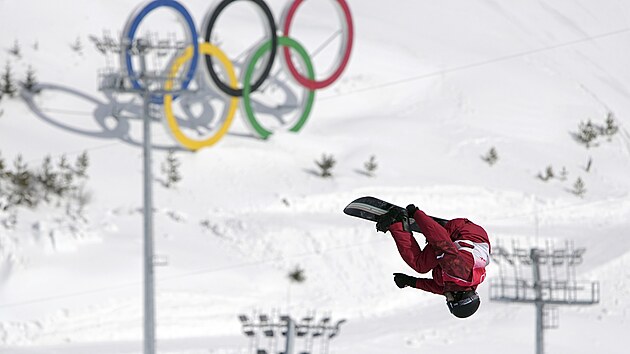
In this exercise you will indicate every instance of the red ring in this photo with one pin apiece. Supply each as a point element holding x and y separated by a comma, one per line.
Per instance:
<point>314,84</point>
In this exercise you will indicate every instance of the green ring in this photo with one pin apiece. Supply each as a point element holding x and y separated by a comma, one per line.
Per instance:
<point>249,113</point>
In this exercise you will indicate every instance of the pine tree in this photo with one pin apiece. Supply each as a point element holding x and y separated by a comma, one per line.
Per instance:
<point>30,83</point>
<point>8,85</point>
<point>491,156</point>
<point>611,127</point>
<point>48,179</point>
<point>22,186</point>
<point>587,133</point>
<point>66,178</point>
<point>170,167</point>
<point>81,165</point>
<point>579,188</point>
<point>325,165</point>
<point>370,166</point>
<point>15,50</point>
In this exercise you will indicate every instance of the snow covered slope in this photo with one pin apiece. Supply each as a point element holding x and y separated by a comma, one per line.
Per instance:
<point>430,88</point>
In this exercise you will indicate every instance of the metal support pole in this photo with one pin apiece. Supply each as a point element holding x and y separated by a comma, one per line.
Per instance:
<point>149,304</point>
<point>540,348</point>
<point>290,336</point>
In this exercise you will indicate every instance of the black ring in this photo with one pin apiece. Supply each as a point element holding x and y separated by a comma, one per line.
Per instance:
<point>274,45</point>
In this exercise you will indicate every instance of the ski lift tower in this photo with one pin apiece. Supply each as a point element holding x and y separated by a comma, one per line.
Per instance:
<point>306,330</point>
<point>552,282</point>
<point>151,86</point>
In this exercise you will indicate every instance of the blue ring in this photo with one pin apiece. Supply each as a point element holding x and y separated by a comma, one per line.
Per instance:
<point>159,99</point>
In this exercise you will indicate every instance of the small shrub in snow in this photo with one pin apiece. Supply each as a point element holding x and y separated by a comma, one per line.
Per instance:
<point>549,174</point>
<point>15,50</point>
<point>325,165</point>
<point>297,275</point>
<point>563,174</point>
<point>370,166</point>
<point>587,133</point>
<point>170,167</point>
<point>491,157</point>
<point>77,46</point>
<point>77,200</point>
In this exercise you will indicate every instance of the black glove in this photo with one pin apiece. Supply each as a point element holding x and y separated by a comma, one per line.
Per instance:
<point>411,210</point>
<point>403,280</point>
<point>391,216</point>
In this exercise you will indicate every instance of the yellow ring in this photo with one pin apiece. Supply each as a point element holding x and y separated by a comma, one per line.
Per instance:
<point>171,121</point>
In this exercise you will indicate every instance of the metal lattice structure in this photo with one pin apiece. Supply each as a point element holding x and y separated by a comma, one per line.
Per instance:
<point>265,331</point>
<point>550,282</point>
<point>149,84</point>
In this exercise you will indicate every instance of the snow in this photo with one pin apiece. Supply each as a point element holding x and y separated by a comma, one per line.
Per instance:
<point>430,88</point>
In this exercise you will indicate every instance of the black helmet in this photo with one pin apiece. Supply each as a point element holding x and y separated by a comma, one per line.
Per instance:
<point>462,304</point>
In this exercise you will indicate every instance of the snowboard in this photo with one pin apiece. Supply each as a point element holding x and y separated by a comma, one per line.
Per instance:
<point>370,208</point>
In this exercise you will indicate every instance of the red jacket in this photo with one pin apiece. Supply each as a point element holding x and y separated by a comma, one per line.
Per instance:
<point>455,266</point>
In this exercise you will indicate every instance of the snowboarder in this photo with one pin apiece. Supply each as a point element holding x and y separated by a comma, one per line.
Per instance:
<point>457,253</point>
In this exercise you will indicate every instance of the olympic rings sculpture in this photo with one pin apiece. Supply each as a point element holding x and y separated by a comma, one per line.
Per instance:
<point>251,78</point>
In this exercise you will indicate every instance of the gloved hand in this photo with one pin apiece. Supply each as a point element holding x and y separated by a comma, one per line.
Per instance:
<point>391,216</point>
<point>403,280</point>
<point>411,210</point>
